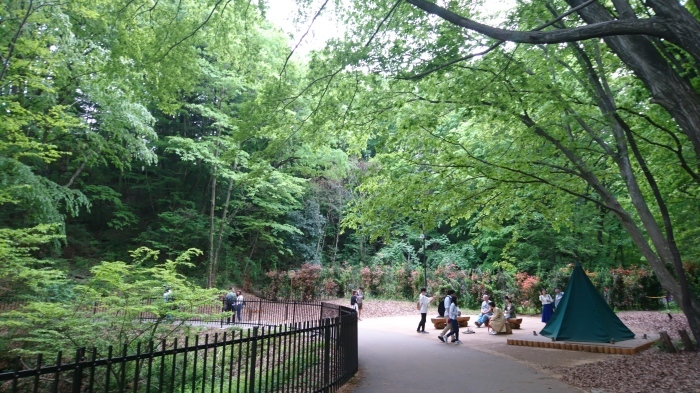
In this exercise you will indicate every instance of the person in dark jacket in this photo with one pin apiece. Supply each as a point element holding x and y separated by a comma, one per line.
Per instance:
<point>508,309</point>
<point>353,302</point>
<point>229,302</point>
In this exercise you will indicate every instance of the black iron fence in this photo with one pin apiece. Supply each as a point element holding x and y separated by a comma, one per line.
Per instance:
<point>317,353</point>
<point>251,312</point>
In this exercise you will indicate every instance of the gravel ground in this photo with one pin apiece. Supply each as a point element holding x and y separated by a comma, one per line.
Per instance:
<point>651,371</point>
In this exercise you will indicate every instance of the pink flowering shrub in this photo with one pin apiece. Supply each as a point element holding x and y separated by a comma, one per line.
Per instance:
<point>372,278</point>
<point>528,287</point>
<point>631,288</point>
<point>404,278</point>
<point>305,280</point>
<point>330,287</point>
<point>627,288</point>
<point>276,281</point>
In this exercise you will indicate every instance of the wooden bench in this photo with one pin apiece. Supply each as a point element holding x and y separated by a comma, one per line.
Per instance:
<point>440,322</point>
<point>515,323</point>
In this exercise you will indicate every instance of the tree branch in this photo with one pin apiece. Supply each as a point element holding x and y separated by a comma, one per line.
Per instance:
<point>75,175</point>
<point>379,26</point>
<point>496,45</point>
<point>678,151</point>
<point>655,26</point>
<point>284,66</point>
<point>167,52</point>
<point>11,48</point>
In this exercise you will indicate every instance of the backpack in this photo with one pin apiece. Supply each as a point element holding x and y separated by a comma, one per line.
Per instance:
<point>441,308</point>
<point>353,300</point>
<point>230,300</point>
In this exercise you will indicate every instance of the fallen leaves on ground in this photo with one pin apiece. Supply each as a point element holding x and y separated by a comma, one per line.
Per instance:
<point>375,308</point>
<point>654,322</point>
<point>648,371</point>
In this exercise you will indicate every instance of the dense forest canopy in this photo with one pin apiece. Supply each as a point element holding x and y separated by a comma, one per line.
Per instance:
<point>517,141</point>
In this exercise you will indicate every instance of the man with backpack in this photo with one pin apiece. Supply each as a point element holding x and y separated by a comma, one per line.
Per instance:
<point>444,306</point>
<point>229,304</point>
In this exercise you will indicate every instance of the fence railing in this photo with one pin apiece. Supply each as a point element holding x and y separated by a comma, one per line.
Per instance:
<point>253,312</point>
<point>316,355</point>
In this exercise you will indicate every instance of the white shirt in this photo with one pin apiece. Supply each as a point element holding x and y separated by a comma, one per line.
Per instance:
<point>545,299</point>
<point>557,298</point>
<point>447,302</point>
<point>486,307</point>
<point>424,301</point>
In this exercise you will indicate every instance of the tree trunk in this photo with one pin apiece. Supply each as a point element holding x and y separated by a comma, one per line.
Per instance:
<point>639,53</point>
<point>224,221</point>
<point>665,246</point>
<point>212,206</point>
<point>656,261</point>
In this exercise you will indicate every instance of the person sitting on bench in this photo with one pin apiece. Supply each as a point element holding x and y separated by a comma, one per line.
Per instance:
<point>497,323</point>
<point>508,309</point>
<point>486,312</point>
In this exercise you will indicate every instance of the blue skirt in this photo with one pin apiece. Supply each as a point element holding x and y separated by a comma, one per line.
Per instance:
<point>547,312</point>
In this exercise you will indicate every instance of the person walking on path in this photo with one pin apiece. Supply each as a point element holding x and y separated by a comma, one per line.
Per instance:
<point>453,313</point>
<point>547,305</point>
<point>423,301</point>
<point>446,303</point>
<point>360,300</point>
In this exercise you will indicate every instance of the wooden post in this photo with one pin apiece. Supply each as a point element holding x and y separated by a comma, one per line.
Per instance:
<point>667,343</point>
<point>689,345</point>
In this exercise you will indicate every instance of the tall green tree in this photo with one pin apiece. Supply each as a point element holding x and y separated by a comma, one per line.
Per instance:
<point>531,127</point>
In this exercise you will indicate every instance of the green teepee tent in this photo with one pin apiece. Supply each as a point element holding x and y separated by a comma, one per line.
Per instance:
<point>583,315</point>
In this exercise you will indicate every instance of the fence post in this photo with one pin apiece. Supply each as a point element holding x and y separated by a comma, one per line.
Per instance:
<point>253,359</point>
<point>39,359</point>
<point>326,354</point>
<point>78,372</point>
<point>57,375</point>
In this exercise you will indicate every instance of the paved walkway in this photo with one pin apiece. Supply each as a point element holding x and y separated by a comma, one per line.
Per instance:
<point>394,358</point>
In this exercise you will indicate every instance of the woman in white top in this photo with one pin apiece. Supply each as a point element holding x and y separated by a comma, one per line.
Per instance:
<point>240,302</point>
<point>547,306</point>
<point>453,314</point>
